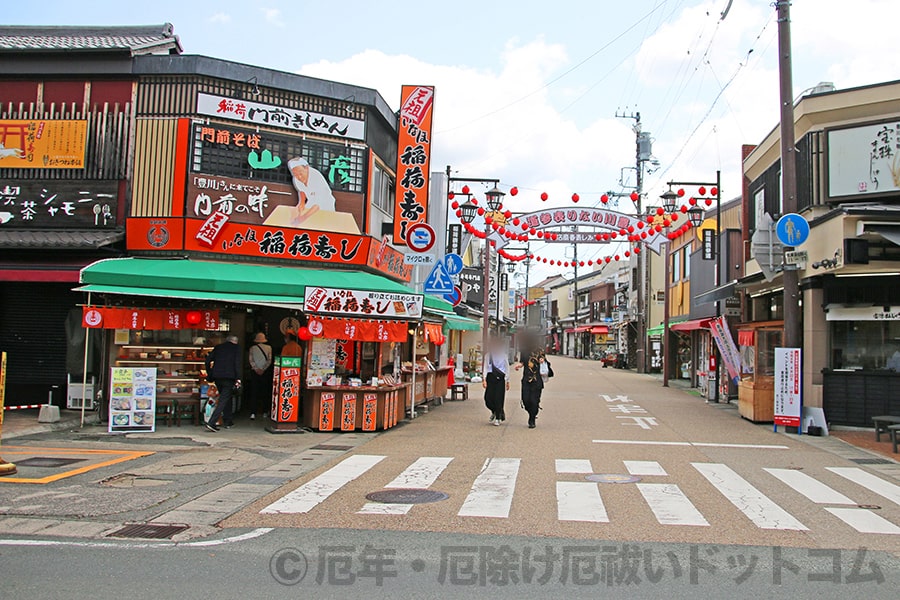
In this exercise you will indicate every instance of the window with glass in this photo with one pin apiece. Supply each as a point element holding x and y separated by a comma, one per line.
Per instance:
<point>676,266</point>
<point>865,345</point>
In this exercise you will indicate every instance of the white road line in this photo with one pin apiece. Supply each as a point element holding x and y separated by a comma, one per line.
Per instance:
<point>492,492</point>
<point>260,531</point>
<point>813,489</point>
<point>573,465</point>
<point>670,505</point>
<point>700,444</point>
<point>580,501</point>
<point>315,491</point>
<point>764,513</point>
<point>869,481</point>
<point>421,474</point>
<point>864,521</point>
<point>644,467</point>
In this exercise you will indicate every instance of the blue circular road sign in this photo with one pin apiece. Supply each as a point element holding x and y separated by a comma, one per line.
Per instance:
<point>792,230</point>
<point>453,263</point>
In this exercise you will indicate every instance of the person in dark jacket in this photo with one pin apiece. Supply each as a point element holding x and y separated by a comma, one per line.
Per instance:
<point>532,381</point>
<point>223,367</point>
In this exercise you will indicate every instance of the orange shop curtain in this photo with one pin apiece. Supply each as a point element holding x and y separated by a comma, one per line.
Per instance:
<point>358,330</point>
<point>433,332</point>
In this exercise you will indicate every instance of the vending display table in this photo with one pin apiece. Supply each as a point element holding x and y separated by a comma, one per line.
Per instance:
<point>430,385</point>
<point>353,408</point>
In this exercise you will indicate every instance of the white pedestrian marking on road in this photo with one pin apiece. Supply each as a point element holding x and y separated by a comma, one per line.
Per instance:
<point>580,501</point>
<point>864,521</point>
<point>642,422</point>
<point>421,474</point>
<point>573,465</point>
<point>764,513</point>
<point>701,444</point>
<point>670,505</point>
<point>870,482</point>
<point>644,467</point>
<point>315,491</point>
<point>813,489</point>
<point>615,399</point>
<point>627,409</point>
<point>491,494</point>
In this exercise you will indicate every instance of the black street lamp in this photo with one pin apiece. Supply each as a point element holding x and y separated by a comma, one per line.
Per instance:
<point>469,211</point>
<point>695,215</point>
<point>669,198</point>
<point>494,198</point>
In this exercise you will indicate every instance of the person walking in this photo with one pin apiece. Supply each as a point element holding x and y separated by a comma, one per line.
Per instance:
<point>535,367</point>
<point>496,380</point>
<point>223,367</point>
<point>260,356</point>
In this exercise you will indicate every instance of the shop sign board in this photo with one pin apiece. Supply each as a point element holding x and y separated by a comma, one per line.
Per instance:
<point>287,385</point>
<point>796,257</point>
<point>413,159</point>
<point>388,260</point>
<point>132,399</point>
<point>862,160</point>
<point>358,330</point>
<point>56,204</point>
<point>454,238</point>
<point>326,411</point>
<point>322,356</point>
<point>348,411</point>
<point>42,144</point>
<point>148,319</point>
<point>727,348</point>
<point>256,113</point>
<point>362,303</point>
<point>471,280</point>
<point>862,313</point>
<point>415,258</point>
<point>788,404</point>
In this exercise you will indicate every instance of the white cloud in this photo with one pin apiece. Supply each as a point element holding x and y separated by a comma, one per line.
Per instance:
<point>273,16</point>
<point>220,17</point>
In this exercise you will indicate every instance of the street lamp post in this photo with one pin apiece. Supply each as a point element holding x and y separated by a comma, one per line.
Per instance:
<point>669,197</point>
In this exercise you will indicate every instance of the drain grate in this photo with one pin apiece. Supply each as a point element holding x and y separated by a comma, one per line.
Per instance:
<point>407,496</point>
<point>862,461</point>
<point>152,531</point>
<point>612,478</point>
<point>47,462</point>
<point>331,447</point>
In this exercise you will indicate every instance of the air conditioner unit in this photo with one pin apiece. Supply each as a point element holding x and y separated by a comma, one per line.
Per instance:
<point>74,397</point>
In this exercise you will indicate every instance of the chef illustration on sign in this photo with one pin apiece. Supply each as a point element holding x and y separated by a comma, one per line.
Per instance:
<point>313,191</point>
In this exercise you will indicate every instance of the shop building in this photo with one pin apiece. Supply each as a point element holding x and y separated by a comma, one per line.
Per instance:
<point>67,104</point>
<point>848,188</point>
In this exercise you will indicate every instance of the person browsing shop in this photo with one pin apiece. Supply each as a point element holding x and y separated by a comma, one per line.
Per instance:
<point>291,347</point>
<point>260,357</point>
<point>223,367</point>
<point>496,380</point>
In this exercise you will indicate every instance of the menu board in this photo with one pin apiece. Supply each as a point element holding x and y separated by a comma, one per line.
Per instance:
<point>321,361</point>
<point>132,399</point>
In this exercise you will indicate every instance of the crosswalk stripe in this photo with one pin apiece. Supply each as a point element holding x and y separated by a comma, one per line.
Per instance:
<point>644,467</point>
<point>421,474</point>
<point>580,501</point>
<point>315,491</point>
<point>573,465</point>
<point>764,513</point>
<point>492,492</point>
<point>864,521</point>
<point>813,489</point>
<point>870,482</point>
<point>670,505</point>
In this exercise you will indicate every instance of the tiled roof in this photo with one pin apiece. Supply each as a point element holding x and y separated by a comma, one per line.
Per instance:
<point>146,39</point>
<point>58,240</point>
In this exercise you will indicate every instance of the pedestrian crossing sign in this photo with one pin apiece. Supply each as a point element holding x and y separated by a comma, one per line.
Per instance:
<point>438,281</point>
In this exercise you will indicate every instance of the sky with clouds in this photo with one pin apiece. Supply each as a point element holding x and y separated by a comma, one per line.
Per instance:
<point>528,91</point>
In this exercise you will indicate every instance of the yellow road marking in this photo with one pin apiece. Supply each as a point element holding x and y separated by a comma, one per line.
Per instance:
<point>121,456</point>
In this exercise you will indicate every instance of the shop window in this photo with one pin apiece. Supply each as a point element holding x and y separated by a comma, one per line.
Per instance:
<point>383,191</point>
<point>865,345</point>
<point>676,266</point>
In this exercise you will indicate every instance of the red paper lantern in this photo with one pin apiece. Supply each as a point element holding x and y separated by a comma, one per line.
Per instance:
<point>631,229</point>
<point>590,262</point>
<point>513,191</point>
<point>627,253</point>
<point>480,211</point>
<point>637,250</point>
<point>640,224</point>
<point>459,214</point>
<point>540,234</point>
<point>680,192</point>
<point>617,257</point>
<point>604,198</point>
<point>643,235</point>
<point>508,214</point>
<point>516,221</point>
<point>581,263</point>
<point>673,216</point>
<point>566,264</point>
<point>304,334</point>
<point>714,191</point>
<point>488,219</point>
<point>575,198</point>
<point>666,222</point>
<point>614,235</point>
<point>451,195</point>
<point>708,202</point>
<point>455,205</point>
<point>683,209</point>
<point>607,259</point>
<point>660,212</point>
<point>634,198</point>
<point>555,235</point>
<point>702,190</point>
<point>474,201</point>
<point>544,196</point>
<point>193,317</point>
<point>692,201</point>
<point>465,189</point>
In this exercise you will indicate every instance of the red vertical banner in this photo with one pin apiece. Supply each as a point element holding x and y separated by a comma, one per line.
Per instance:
<point>370,406</point>
<point>348,411</point>
<point>276,377</point>
<point>413,158</point>
<point>344,354</point>
<point>326,411</point>
<point>289,389</point>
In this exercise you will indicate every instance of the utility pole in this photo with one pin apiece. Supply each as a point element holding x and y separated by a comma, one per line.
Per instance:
<point>527,270</point>
<point>575,283</point>
<point>793,329</point>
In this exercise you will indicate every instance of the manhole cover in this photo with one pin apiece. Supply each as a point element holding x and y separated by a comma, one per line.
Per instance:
<point>407,496</point>
<point>612,478</point>
<point>862,461</point>
<point>152,531</point>
<point>331,447</point>
<point>46,462</point>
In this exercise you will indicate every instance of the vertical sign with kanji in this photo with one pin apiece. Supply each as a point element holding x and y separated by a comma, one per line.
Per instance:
<point>348,411</point>
<point>288,385</point>
<point>326,411</point>
<point>788,402</point>
<point>413,158</point>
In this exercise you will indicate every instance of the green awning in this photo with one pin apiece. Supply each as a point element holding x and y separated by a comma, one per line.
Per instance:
<point>457,323</point>
<point>658,330</point>
<point>434,303</point>
<point>221,281</point>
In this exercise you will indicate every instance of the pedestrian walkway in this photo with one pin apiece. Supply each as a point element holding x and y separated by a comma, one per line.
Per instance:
<point>839,491</point>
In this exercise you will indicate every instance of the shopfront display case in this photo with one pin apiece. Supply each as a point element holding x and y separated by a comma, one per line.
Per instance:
<point>756,390</point>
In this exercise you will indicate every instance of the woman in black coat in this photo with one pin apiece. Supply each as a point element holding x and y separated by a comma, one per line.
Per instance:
<point>532,382</point>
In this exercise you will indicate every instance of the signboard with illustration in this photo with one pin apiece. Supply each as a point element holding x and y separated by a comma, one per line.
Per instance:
<point>864,160</point>
<point>132,399</point>
<point>42,144</point>
<point>57,204</point>
<point>362,303</point>
<point>413,158</point>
